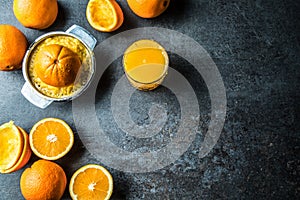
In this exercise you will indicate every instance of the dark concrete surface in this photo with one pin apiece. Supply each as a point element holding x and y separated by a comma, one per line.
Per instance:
<point>255,45</point>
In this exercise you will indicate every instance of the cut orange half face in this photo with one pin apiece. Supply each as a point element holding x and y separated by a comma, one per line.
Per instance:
<point>25,155</point>
<point>11,145</point>
<point>104,15</point>
<point>92,182</point>
<point>51,138</point>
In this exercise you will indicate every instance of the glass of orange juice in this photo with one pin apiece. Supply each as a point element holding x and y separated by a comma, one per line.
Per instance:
<point>145,64</point>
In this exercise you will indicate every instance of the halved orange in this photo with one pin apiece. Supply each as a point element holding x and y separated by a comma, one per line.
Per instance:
<point>51,138</point>
<point>104,15</point>
<point>25,156</point>
<point>91,182</point>
<point>11,145</point>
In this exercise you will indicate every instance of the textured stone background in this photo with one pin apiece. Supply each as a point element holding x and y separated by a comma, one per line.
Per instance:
<point>255,45</point>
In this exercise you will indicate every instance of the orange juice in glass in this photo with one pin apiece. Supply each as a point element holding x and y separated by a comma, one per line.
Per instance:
<point>145,64</point>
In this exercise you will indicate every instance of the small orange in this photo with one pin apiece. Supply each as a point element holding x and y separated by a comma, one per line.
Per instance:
<point>44,180</point>
<point>57,65</point>
<point>148,8</point>
<point>104,15</point>
<point>13,47</point>
<point>51,138</point>
<point>11,145</point>
<point>37,14</point>
<point>92,182</point>
<point>25,156</point>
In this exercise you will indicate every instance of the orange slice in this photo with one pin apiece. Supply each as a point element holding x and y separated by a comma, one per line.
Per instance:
<point>104,15</point>
<point>51,138</point>
<point>11,145</point>
<point>25,156</point>
<point>91,182</point>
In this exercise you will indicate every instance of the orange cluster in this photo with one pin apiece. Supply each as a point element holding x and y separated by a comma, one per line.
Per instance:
<point>107,16</point>
<point>102,15</point>
<point>51,138</point>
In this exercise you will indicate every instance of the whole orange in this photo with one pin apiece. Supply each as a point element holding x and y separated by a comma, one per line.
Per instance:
<point>13,47</point>
<point>44,180</point>
<point>148,8</point>
<point>37,14</point>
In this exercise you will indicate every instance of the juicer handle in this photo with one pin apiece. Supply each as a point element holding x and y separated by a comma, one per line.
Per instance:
<point>84,35</point>
<point>32,96</point>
